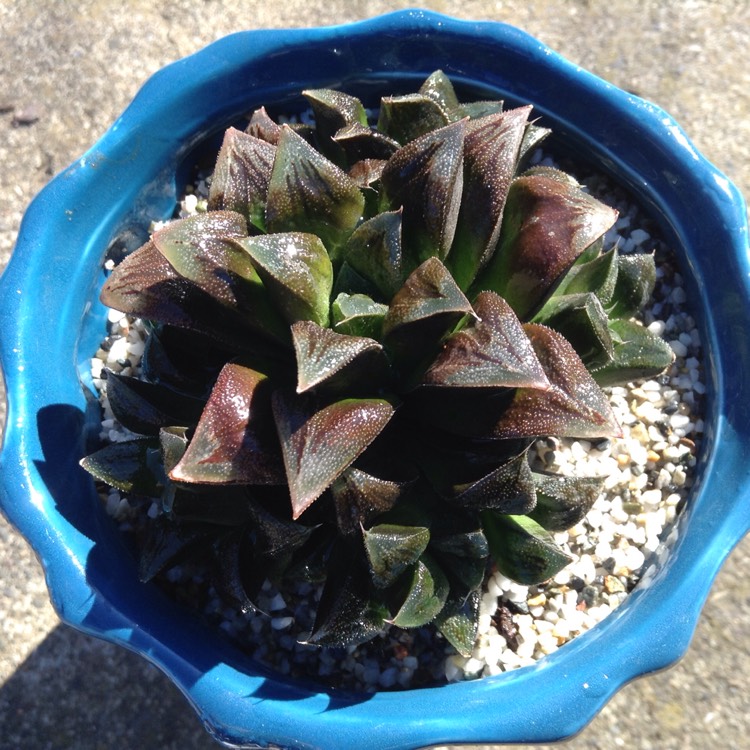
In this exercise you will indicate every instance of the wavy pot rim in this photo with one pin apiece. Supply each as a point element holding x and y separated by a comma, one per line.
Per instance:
<point>128,178</point>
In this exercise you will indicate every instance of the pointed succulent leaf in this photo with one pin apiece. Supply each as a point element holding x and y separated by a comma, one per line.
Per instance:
<point>374,251</point>
<point>391,549</point>
<point>325,357</point>
<point>146,407</point>
<point>147,286</point>
<point>636,277</point>
<point>358,315</point>
<point>439,88</point>
<point>426,178</point>
<point>262,126</point>
<point>507,489</point>
<point>523,550</point>
<point>131,466</point>
<point>548,222</point>
<point>334,110</point>
<point>232,563</point>
<point>173,443</point>
<point>475,110</point>
<point>598,275</point>
<point>427,592</point>
<point>359,497</point>
<point>532,137</point>
<point>459,622</point>
<point>638,354</point>
<point>562,501</point>
<point>406,118</point>
<point>348,613</point>
<point>493,351</point>
<point>463,557</point>
<point>365,173</point>
<point>309,193</point>
<point>296,271</point>
<point>318,445</point>
<point>241,176</point>
<point>234,442</point>
<point>491,151</point>
<point>167,542</point>
<point>362,143</point>
<point>573,406</point>
<point>583,321</point>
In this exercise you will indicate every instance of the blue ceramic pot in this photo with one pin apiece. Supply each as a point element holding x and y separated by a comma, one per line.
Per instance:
<point>51,322</point>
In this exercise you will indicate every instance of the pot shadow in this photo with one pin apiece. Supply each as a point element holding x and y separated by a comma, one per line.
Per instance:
<point>111,570</point>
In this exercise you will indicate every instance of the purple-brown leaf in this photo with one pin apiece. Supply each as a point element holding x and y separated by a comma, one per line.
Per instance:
<point>234,442</point>
<point>573,406</point>
<point>494,351</point>
<point>319,445</point>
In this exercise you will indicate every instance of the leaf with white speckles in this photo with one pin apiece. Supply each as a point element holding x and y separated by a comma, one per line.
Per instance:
<point>426,593</point>
<point>573,406</point>
<point>234,442</point>
<point>318,445</point>
<point>563,501</point>
<point>391,549</point>
<point>406,118</point>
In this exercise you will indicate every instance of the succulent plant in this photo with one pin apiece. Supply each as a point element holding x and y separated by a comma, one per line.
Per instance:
<point>352,350</point>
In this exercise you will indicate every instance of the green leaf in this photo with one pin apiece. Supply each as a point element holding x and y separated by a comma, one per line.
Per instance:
<point>319,444</point>
<point>391,549</point>
<point>146,407</point>
<point>234,442</point>
<point>347,614</point>
<point>475,110</point>
<point>309,193</point>
<point>573,406</point>
<point>406,118</point>
<point>361,143</point>
<point>548,222</point>
<point>463,557</point>
<point>241,176</point>
<point>459,622</point>
<point>426,178</point>
<point>491,151</point>
<point>439,88</point>
<point>427,592</point>
<point>533,136</point>
<point>234,577</point>
<point>262,126</point>
<point>131,466</point>
<point>523,550</point>
<point>598,275</point>
<point>583,321</point>
<point>297,272</point>
<point>562,502</point>
<point>636,277</point>
<point>168,542</point>
<point>507,489</point>
<point>173,443</point>
<point>638,354</point>
<point>358,315</point>
<point>334,110</point>
<point>360,497</point>
<point>493,351</point>
<point>327,358</point>
<point>374,250</point>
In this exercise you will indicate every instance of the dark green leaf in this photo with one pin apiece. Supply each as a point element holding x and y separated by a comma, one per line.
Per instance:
<point>636,277</point>
<point>263,127</point>
<point>463,557</point>
<point>360,497</point>
<point>563,501</point>
<point>548,222</point>
<point>358,315</point>
<point>167,543</point>
<point>490,155</point>
<point>426,178</point>
<point>533,136</point>
<point>638,354</point>
<point>234,576</point>
<point>318,445</point>
<point>234,442</point>
<point>327,358</point>
<point>598,275</point>
<point>130,466</point>
<point>391,549</point>
<point>146,407</point>
<point>426,595</point>
<point>573,406</point>
<point>241,176</point>
<point>374,250</point>
<point>523,550</point>
<point>362,143</point>
<point>439,88</point>
<point>475,110</point>
<point>459,622</point>
<point>309,193</point>
<point>334,110</point>
<point>493,351</point>
<point>297,272</point>
<point>406,118</point>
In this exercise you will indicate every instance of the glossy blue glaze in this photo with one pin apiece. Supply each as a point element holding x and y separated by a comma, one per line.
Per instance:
<point>51,322</point>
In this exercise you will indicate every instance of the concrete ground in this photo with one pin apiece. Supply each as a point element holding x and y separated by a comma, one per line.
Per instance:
<point>67,69</point>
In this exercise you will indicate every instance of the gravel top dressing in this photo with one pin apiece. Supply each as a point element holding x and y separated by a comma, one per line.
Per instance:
<point>621,542</point>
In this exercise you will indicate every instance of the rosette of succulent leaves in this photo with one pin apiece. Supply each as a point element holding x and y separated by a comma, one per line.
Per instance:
<point>352,349</point>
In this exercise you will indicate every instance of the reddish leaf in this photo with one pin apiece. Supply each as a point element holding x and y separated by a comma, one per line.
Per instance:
<point>263,127</point>
<point>492,352</point>
<point>573,406</point>
<point>319,445</point>
<point>234,441</point>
